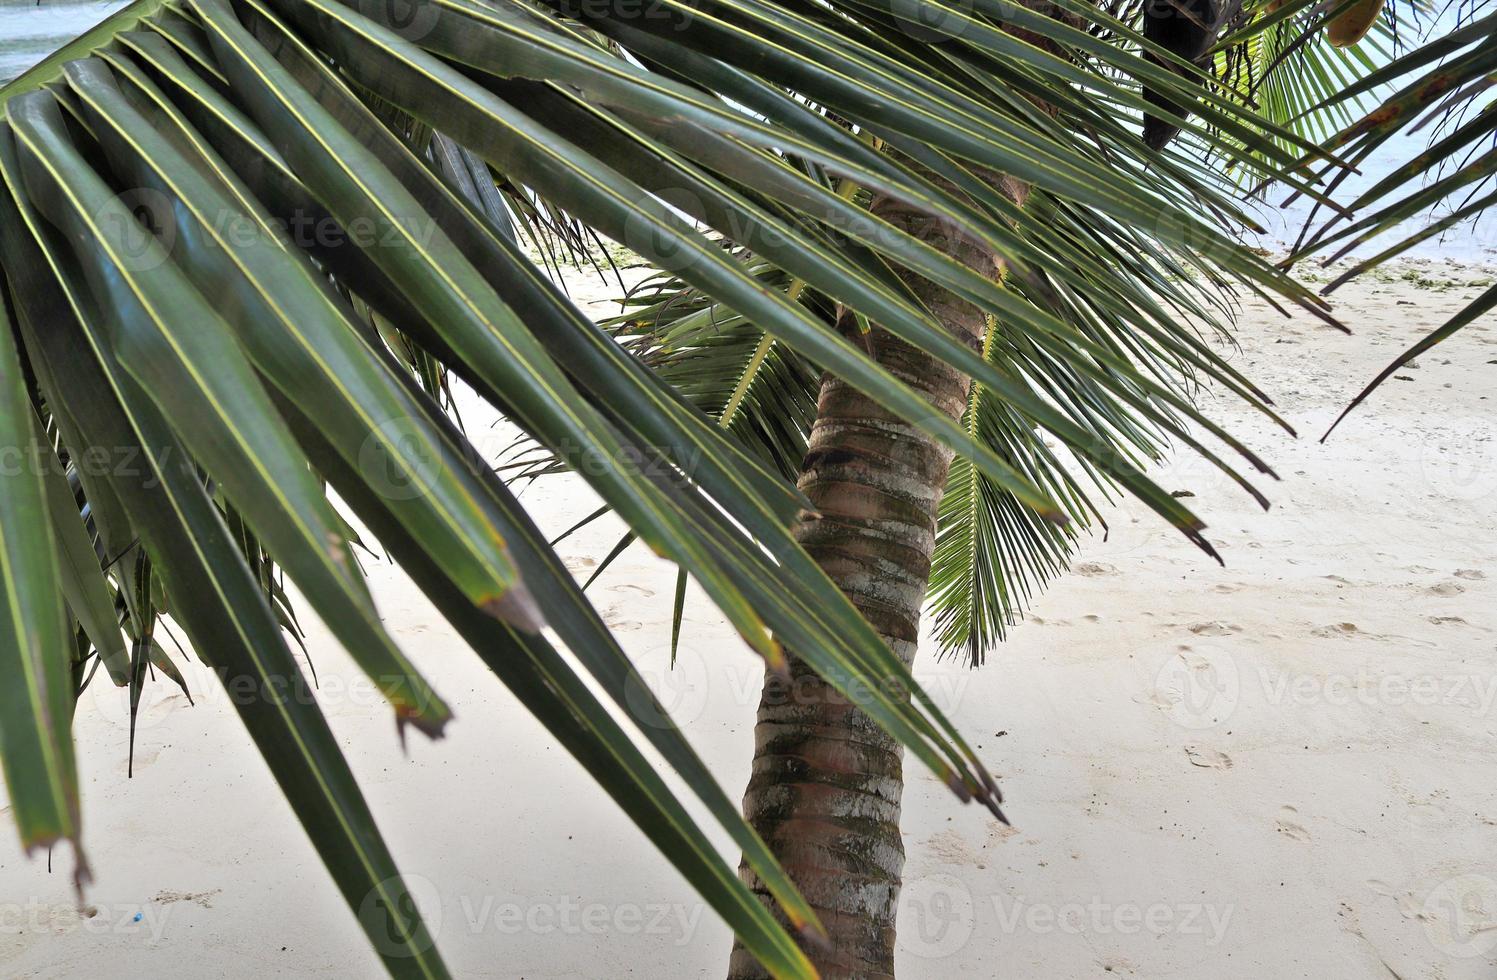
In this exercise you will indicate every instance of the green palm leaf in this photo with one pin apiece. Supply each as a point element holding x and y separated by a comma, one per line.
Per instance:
<point>35,710</point>
<point>736,144</point>
<point>1442,87</point>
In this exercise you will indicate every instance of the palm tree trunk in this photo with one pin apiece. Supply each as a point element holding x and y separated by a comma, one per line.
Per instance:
<point>825,787</point>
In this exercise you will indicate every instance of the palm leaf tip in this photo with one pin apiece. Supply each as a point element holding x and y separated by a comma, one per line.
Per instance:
<point>274,108</point>
<point>517,606</point>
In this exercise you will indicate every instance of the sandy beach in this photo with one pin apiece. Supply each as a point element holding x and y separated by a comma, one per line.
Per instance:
<point>1282,768</point>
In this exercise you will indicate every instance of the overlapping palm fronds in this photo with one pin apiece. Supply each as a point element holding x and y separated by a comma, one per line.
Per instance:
<point>1280,57</point>
<point>1438,92</point>
<point>247,243</point>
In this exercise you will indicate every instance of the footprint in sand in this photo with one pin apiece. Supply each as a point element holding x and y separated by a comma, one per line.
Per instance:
<point>1337,629</point>
<point>1470,575</point>
<point>998,833</point>
<point>1428,814</point>
<point>203,899</point>
<point>1214,628</point>
<point>144,758</point>
<point>1288,825</point>
<point>1092,569</point>
<point>951,848</point>
<point>1117,966</point>
<point>1446,588</point>
<point>1207,758</point>
<point>631,587</point>
<point>1157,698</point>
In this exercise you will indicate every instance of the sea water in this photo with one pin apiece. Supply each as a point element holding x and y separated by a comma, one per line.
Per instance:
<point>30,31</point>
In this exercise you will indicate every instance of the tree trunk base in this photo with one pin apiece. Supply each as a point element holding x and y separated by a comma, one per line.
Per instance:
<point>826,782</point>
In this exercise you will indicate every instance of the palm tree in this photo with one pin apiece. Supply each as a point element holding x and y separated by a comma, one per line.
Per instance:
<point>911,247</point>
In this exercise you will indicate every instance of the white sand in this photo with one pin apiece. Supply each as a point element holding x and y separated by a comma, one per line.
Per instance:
<point>1283,768</point>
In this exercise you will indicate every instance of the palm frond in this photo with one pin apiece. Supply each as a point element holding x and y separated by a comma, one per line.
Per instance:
<point>253,243</point>
<point>1438,92</point>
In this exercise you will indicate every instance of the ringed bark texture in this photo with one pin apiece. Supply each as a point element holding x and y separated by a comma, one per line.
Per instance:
<point>825,787</point>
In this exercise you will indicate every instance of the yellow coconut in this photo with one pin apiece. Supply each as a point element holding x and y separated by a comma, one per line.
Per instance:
<point>1353,23</point>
